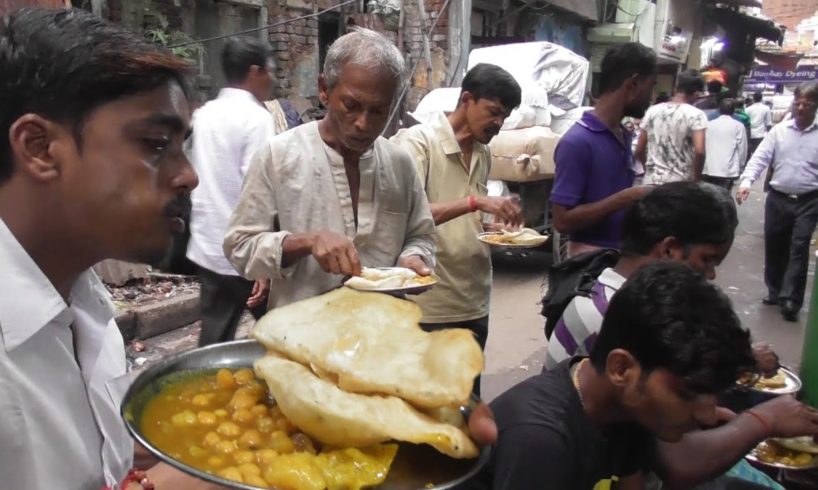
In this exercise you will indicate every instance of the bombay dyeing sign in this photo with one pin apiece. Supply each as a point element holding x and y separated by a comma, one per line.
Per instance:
<point>771,75</point>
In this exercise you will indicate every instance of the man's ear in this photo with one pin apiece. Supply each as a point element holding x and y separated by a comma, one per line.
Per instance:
<point>465,97</point>
<point>622,368</point>
<point>669,248</point>
<point>323,90</point>
<point>32,140</point>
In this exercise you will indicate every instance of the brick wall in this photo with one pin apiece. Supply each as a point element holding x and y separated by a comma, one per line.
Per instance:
<point>296,51</point>
<point>413,48</point>
<point>789,12</point>
<point>296,48</point>
<point>296,44</point>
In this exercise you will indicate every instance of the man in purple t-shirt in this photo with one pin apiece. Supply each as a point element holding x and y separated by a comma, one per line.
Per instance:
<point>594,162</point>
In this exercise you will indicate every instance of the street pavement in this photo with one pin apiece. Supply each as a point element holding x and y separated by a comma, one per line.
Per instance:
<point>516,344</point>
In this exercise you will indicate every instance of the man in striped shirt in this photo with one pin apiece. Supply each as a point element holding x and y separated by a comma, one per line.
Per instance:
<point>682,221</point>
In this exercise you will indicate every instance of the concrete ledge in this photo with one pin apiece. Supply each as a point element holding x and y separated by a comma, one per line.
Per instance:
<point>126,321</point>
<point>146,321</point>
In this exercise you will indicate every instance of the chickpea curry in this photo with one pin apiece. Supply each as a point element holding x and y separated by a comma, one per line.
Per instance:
<point>225,423</point>
<point>773,452</point>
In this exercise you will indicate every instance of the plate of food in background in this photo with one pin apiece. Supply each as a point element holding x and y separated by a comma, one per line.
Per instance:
<point>783,382</point>
<point>523,238</point>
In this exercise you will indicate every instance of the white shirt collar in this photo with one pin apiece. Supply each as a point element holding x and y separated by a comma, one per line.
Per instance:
<point>29,302</point>
<point>237,93</point>
<point>611,278</point>
<point>792,124</point>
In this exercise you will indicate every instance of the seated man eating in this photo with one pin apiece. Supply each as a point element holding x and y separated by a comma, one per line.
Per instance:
<point>688,222</point>
<point>669,343</point>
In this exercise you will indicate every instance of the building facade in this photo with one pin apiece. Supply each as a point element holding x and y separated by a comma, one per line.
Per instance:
<point>789,12</point>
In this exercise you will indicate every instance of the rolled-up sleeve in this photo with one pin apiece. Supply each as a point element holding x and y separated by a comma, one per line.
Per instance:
<point>760,160</point>
<point>252,243</point>
<point>420,229</point>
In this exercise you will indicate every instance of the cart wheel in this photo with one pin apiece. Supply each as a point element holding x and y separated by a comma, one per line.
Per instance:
<point>559,247</point>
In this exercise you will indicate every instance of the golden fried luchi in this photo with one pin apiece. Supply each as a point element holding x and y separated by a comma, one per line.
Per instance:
<point>371,343</point>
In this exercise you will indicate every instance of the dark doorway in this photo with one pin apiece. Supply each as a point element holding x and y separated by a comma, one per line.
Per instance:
<point>328,28</point>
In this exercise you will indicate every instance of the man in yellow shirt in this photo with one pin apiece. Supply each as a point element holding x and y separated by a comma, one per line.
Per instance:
<point>452,156</point>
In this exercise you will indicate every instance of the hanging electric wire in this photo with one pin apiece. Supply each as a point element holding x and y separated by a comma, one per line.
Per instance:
<point>414,67</point>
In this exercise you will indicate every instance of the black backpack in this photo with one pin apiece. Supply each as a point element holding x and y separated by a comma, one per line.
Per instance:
<point>572,277</point>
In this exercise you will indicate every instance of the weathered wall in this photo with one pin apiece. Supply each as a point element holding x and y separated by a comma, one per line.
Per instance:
<point>413,47</point>
<point>298,45</point>
<point>9,5</point>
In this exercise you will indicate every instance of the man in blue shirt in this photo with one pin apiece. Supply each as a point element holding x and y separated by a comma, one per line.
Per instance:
<point>594,163</point>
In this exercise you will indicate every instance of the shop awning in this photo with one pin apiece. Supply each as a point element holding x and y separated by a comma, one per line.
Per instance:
<point>755,26</point>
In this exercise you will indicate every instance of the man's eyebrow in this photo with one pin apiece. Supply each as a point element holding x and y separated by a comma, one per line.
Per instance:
<point>172,122</point>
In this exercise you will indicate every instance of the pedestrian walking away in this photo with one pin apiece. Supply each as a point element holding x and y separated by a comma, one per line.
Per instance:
<point>726,144</point>
<point>227,133</point>
<point>760,122</point>
<point>672,141</point>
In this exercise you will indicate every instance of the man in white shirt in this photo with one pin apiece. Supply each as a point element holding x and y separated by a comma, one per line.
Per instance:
<point>91,167</point>
<point>726,144</point>
<point>227,133</point>
<point>326,198</point>
<point>672,141</point>
<point>760,121</point>
<point>791,208</point>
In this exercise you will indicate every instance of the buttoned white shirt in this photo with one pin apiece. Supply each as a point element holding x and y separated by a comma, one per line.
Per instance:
<point>62,377</point>
<point>760,120</point>
<point>793,155</point>
<point>227,133</point>
<point>299,184</point>
<point>726,147</point>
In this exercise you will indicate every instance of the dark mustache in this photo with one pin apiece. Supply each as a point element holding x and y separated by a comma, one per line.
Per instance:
<point>179,207</point>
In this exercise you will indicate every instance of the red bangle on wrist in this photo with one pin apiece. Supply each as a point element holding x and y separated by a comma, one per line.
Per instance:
<point>136,476</point>
<point>472,204</point>
<point>768,427</point>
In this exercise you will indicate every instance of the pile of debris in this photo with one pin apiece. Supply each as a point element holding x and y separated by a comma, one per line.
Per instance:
<point>155,287</point>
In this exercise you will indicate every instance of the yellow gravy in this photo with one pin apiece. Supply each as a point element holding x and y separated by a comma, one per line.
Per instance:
<point>224,423</point>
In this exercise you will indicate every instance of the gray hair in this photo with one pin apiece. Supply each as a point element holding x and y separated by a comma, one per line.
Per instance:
<point>808,90</point>
<point>365,48</point>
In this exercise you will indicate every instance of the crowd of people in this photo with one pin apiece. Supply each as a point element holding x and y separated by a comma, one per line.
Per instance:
<point>104,157</point>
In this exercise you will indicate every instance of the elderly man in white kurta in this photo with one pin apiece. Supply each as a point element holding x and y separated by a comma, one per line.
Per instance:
<point>326,198</point>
